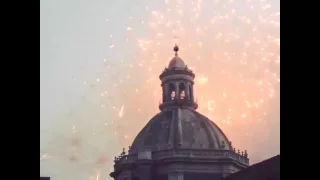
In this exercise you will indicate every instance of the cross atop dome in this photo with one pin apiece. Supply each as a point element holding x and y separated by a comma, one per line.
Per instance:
<point>176,62</point>
<point>176,49</point>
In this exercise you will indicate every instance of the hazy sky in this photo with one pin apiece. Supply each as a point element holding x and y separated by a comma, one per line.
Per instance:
<point>85,47</point>
<point>74,41</point>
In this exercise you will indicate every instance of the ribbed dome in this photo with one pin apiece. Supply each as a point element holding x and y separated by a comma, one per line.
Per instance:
<point>180,128</point>
<point>176,62</point>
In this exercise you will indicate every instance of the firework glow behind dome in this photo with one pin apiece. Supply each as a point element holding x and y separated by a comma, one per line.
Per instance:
<point>233,47</point>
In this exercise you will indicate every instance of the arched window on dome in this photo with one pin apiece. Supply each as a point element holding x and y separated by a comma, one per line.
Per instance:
<point>190,93</point>
<point>173,95</point>
<point>172,91</point>
<point>182,92</point>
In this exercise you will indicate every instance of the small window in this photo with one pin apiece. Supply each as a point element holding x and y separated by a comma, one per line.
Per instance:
<point>173,94</point>
<point>182,95</point>
<point>172,91</point>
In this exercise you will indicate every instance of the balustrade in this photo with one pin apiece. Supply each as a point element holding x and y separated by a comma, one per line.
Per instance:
<point>185,153</point>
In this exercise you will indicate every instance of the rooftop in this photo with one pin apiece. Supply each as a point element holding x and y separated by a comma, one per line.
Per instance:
<point>266,170</point>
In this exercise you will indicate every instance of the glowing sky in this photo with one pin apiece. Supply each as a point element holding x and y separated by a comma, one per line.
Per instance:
<point>100,63</point>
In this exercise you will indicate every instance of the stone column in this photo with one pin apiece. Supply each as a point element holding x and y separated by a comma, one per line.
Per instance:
<point>187,96</point>
<point>144,165</point>
<point>164,93</point>
<point>192,92</point>
<point>167,92</point>
<point>177,91</point>
<point>175,176</point>
<point>145,171</point>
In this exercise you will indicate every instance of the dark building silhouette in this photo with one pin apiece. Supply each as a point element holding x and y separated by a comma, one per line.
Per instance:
<point>179,143</point>
<point>44,178</point>
<point>265,170</point>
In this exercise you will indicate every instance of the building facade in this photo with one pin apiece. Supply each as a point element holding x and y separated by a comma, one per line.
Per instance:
<point>179,143</point>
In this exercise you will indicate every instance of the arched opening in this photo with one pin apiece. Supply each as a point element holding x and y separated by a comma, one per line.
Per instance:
<point>190,93</point>
<point>182,92</point>
<point>172,91</point>
<point>173,95</point>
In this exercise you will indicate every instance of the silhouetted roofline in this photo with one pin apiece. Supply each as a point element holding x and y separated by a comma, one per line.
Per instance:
<point>44,178</point>
<point>266,170</point>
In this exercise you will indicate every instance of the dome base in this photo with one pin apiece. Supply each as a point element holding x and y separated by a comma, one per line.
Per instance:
<point>180,103</point>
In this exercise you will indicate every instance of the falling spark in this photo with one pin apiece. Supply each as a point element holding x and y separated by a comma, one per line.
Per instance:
<point>249,106</point>
<point>98,175</point>
<point>211,105</point>
<point>243,115</point>
<point>203,80</point>
<point>44,156</point>
<point>74,129</point>
<point>121,111</point>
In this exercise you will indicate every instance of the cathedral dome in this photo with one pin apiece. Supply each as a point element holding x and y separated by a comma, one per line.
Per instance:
<point>179,142</point>
<point>176,62</point>
<point>180,128</point>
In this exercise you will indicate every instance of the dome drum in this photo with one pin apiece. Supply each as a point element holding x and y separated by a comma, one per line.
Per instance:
<point>175,72</point>
<point>181,103</point>
<point>191,154</point>
<point>213,157</point>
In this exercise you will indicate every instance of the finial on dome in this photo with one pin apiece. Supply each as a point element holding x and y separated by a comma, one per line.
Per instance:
<point>176,49</point>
